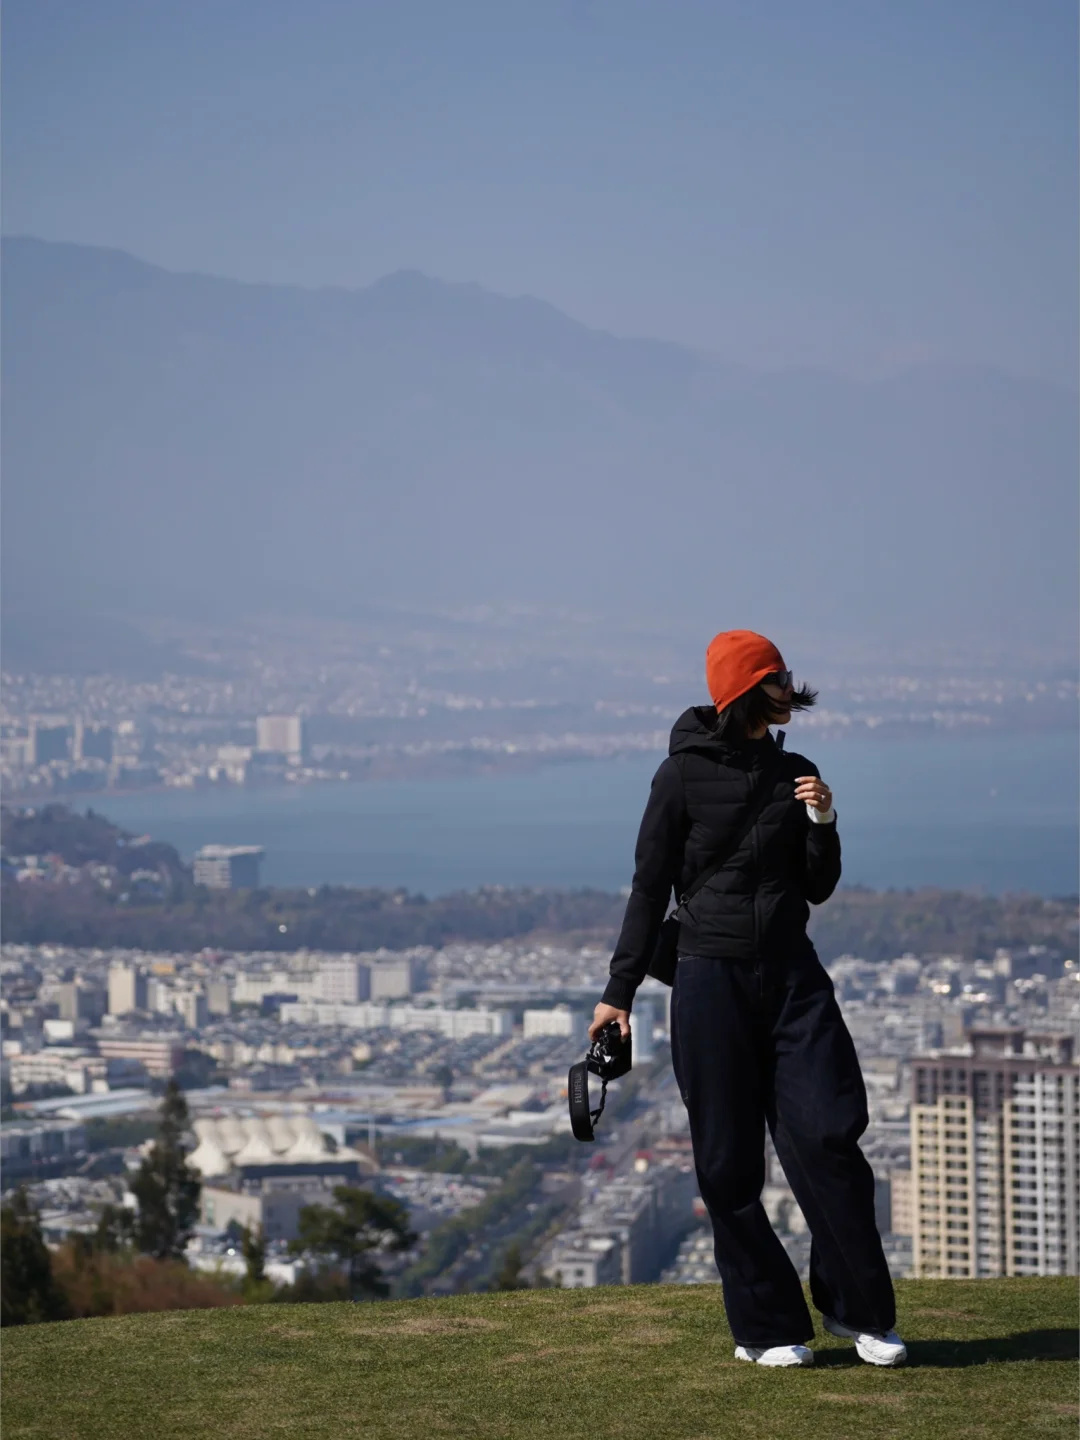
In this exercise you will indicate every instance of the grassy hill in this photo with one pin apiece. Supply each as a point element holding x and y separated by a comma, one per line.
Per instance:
<point>987,1358</point>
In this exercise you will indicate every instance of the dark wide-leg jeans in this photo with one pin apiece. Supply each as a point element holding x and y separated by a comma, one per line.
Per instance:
<point>765,1044</point>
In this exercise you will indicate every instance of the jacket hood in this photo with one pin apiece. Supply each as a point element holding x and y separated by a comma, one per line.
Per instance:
<point>695,729</point>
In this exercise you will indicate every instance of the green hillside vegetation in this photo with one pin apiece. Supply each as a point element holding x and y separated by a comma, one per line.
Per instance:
<point>987,1358</point>
<point>80,839</point>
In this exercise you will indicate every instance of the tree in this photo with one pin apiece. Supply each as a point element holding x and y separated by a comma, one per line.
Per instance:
<point>166,1188</point>
<point>255,1287</point>
<point>28,1292</point>
<point>253,1248</point>
<point>113,1231</point>
<point>197,1070</point>
<point>359,1223</point>
<point>510,1276</point>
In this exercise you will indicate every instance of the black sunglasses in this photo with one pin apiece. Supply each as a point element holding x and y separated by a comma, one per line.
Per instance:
<point>784,678</point>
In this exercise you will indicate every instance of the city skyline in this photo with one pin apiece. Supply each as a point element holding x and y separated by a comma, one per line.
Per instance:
<point>379,1067</point>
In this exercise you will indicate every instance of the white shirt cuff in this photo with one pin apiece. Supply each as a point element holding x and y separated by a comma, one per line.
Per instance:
<point>821,817</point>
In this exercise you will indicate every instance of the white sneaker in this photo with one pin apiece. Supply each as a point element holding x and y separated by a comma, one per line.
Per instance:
<point>870,1345</point>
<point>775,1354</point>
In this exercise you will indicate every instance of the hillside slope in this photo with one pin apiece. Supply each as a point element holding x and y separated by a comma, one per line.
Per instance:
<point>186,441</point>
<point>988,1359</point>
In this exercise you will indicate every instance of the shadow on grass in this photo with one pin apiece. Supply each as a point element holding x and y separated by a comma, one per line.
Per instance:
<point>956,1354</point>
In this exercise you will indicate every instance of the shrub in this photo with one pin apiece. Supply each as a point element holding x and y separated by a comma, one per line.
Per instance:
<point>93,1282</point>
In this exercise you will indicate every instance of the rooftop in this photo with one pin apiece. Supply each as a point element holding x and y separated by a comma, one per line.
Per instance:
<point>227,852</point>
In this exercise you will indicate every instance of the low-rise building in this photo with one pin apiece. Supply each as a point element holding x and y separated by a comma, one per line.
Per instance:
<point>581,1261</point>
<point>258,987</point>
<point>643,1216</point>
<point>159,1054</point>
<point>30,1148</point>
<point>272,1209</point>
<point>454,1024</point>
<point>560,1020</point>
<point>67,1065</point>
<point>695,1263</point>
<point>228,867</point>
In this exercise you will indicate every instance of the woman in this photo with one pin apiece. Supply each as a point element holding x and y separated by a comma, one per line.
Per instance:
<point>756,1035</point>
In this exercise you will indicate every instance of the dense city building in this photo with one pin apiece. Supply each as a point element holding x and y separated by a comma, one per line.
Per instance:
<point>305,704</point>
<point>344,982</point>
<point>48,739</point>
<point>91,742</point>
<point>461,1052</point>
<point>158,1054</point>
<point>228,867</point>
<point>560,1020</point>
<point>995,1157</point>
<point>280,735</point>
<point>127,989</point>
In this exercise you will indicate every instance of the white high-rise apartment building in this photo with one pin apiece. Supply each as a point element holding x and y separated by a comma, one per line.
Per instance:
<point>394,979</point>
<point>191,1006</point>
<point>343,982</point>
<point>1041,1130</point>
<point>219,996</point>
<point>995,1157</point>
<point>127,989</point>
<point>280,734</point>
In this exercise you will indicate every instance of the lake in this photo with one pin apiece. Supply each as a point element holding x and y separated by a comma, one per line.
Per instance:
<point>998,812</point>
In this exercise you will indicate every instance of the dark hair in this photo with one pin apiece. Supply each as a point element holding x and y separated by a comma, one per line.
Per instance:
<point>754,709</point>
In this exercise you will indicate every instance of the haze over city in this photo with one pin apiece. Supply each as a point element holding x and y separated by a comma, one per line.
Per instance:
<point>397,399</point>
<point>862,363</point>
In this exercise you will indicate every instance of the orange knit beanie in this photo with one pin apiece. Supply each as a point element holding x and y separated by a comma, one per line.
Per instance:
<point>736,661</point>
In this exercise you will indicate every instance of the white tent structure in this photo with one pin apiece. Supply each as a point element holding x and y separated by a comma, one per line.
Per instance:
<point>236,1140</point>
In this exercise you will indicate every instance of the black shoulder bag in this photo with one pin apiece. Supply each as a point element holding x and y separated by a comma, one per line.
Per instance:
<point>665,955</point>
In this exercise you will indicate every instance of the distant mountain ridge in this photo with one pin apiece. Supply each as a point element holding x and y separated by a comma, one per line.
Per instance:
<point>177,442</point>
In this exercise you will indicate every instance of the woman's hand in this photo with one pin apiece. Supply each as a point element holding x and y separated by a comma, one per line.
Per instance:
<point>605,1013</point>
<point>812,791</point>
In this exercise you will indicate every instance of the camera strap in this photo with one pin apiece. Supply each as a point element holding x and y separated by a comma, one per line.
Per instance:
<point>583,1119</point>
<point>594,1115</point>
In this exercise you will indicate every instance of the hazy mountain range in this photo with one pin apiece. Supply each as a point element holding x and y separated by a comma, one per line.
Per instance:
<point>183,444</point>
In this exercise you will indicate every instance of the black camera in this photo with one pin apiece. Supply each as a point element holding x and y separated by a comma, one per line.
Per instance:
<point>609,1057</point>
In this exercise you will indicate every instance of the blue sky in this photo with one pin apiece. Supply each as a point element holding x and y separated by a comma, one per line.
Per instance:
<point>845,183</point>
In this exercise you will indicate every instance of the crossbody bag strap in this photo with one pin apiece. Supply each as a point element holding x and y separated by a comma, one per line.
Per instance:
<point>760,800</point>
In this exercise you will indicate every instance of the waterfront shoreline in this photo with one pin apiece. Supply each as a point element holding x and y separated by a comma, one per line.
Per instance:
<point>987,814</point>
<point>437,769</point>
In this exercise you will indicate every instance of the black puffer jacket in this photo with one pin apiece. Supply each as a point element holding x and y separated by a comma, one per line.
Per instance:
<point>757,905</point>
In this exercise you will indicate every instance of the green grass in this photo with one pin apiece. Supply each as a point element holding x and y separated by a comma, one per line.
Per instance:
<point>988,1358</point>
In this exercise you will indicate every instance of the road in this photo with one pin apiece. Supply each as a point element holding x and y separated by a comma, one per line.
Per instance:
<point>615,1149</point>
